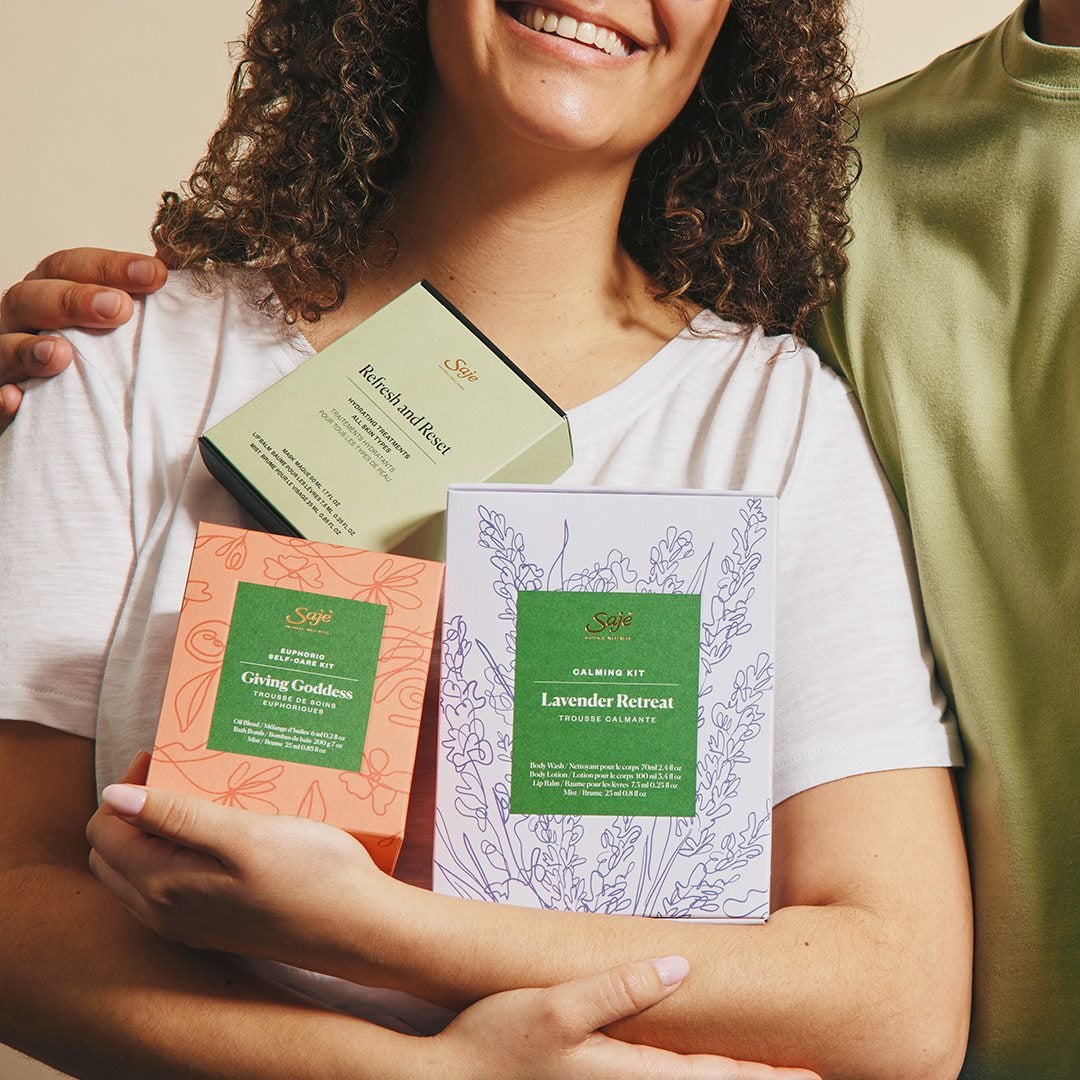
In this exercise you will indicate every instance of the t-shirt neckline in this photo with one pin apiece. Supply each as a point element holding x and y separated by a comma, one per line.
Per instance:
<point>1036,64</point>
<point>643,381</point>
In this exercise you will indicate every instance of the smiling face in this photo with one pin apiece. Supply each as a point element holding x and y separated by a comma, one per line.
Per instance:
<point>573,74</point>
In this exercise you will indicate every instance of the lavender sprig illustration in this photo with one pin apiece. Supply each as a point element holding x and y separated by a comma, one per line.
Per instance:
<point>654,866</point>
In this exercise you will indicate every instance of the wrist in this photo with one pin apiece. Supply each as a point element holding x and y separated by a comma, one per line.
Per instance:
<point>427,945</point>
<point>364,927</point>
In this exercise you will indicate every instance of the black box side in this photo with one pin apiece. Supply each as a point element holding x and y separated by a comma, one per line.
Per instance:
<point>226,474</point>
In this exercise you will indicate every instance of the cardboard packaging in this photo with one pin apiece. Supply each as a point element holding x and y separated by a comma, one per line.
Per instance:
<point>357,446</point>
<point>297,681</point>
<point>606,701</point>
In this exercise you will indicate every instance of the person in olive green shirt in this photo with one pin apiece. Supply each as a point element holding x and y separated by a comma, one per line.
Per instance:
<point>958,325</point>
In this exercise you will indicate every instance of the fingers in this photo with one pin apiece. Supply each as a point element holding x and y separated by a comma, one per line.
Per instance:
<point>49,304</point>
<point>709,1068</point>
<point>130,271</point>
<point>27,356</point>
<point>118,840</point>
<point>553,1034</point>
<point>651,1064</point>
<point>86,287</point>
<point>82,287</point>
<point>182,819</point>
<point>598,1000</point>
<point>10,400</point>
<point>119,886</point>
<point>148,875</point>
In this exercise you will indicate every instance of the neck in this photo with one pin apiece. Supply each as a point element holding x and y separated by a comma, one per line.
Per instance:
<point>1057,22</point>
<point>520,223</point>
<point>524,241</point>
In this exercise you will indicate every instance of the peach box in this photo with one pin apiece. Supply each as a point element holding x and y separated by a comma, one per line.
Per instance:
<point>297,681</point>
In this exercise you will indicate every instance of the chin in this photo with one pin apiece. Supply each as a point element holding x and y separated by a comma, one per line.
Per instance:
<point>554,92</point>
<point>568,122</point>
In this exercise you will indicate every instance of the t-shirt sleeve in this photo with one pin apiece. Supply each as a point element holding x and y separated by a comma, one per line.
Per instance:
<point>66,548</point>
<point>855,689</point>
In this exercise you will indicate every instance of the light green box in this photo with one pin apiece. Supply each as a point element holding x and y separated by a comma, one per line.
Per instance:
<point>358,445</point>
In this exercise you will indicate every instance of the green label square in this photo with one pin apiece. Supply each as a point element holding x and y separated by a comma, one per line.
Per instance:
<point>297,677</point>
<point>606,704</point>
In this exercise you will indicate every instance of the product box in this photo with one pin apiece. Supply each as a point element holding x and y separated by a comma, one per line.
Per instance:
<point>606,701</point>
<point>297,681</point>
<point>357,446</point>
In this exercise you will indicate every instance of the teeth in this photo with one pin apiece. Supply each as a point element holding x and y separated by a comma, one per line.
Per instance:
<point>565,26</point>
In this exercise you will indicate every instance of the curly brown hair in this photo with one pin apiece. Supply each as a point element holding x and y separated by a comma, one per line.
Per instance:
<point>738,206</point>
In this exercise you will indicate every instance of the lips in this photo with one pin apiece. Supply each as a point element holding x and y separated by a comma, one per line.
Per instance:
<point>546,21</point>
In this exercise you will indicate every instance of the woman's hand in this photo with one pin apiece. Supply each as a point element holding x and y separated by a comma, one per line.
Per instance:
<point>84,287</point>
<point>218,877</point>
<point>554,1034</point>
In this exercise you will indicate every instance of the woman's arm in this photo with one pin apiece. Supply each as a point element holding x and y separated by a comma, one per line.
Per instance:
<point>90,991</point>
<point>862,971</point>
<point>87,989</point>
<point>83,287</point>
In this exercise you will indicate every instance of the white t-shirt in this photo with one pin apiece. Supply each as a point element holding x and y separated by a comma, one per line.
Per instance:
<point>101,489</point>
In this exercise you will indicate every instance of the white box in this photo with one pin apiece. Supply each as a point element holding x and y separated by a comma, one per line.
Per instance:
<point>582,744</point>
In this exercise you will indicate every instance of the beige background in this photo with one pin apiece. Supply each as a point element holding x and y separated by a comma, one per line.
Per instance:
<point>104,105</point>
<point>100,109</point>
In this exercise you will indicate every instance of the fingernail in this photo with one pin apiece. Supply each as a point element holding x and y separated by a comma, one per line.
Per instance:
<point>671,969</point>
<point>125,799</point>
<point>142,272</point>
<point>42,351</point>
<point>106,305</point>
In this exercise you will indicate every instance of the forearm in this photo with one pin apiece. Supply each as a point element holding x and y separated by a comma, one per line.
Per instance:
<point>864,906</point>
<point>836,980</point>
<point>822,987</point>
<point>87,989</point>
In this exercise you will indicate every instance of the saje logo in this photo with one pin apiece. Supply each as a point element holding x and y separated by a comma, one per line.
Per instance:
<point>460,370</point>
<point>303,616</point>
<point>604,623</point>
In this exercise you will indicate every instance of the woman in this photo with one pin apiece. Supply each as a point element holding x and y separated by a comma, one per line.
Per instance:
<point>617,194</point>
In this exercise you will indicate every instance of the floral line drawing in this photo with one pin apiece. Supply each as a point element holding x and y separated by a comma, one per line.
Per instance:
<point>308,566</point>
<point>670,867</point>
<point>376,781</point>
<point>243,788</point>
